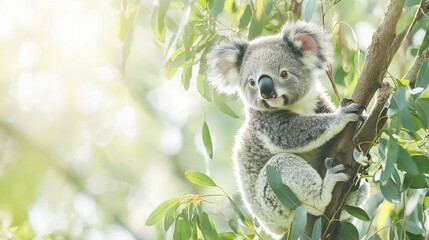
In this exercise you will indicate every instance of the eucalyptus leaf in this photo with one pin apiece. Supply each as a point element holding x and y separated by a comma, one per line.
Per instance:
<point>309,8</point>
<point>187,74</point>
<point>200,179</point>
<point>283,192</point>
<point>375,237</point>
<point>348,231</point>
<point>423,76</point>
<point>237,209</point>
<point>245,16</point>
<point>316,234</point>
<point>298,224</point>
<point>208,228</point>
<point>390,191</point>
<point>422,162</point>
<point>217,7</point>
<point>406,18</point>
<point>406,162</point>
<point>182,226</point>
<point>222,106</point>
<point>425,43</point>
<point>391,157</point>
<point>357,212</point>
<point>169,217</point>
<point>159,212</point>
<point>417,181</point>
<point>207,140</point>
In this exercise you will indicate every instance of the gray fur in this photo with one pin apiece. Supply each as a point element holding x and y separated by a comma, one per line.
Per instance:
<point>288,132</point>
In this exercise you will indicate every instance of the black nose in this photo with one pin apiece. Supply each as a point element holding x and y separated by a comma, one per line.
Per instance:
<point>266,87</point>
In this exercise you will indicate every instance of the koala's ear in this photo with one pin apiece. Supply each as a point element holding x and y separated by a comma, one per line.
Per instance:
<point>309,41</point>
<point>223,65</point>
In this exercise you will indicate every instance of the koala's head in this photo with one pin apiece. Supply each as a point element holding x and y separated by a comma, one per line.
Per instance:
<point>274,71</point>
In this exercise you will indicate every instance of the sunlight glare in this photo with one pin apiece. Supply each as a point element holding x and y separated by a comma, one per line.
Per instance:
<point>76,31</point>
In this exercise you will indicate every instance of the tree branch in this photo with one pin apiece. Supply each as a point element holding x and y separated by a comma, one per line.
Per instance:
<point>414,69</point>
<point>373,125</point>
<point>380,53</point>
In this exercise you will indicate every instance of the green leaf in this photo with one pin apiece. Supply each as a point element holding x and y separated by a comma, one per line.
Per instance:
<point>375,237</point>
<point>222,106</point>
<point>283,192</point>
<point>233,224</point>
<point>162,11</point>
<point>217,7</point>
<point>187,74</point>
<point>422,105</point>
<point>417,181</point>
<point>406,18</point>
<point>414,221</point>
<point>236,209</point>
<point>391,157</point>
<point>399,102</point>
<point>177,59</point>
<point>309,8</point>
<point>202,85</point>
<point>208,228</point>
<point>403,82</point>
<point>207,140</point>
<point>426,201</point>
<point>160,35</point>
<point>200,179</point>
<point>356,212</point>
<point>425,43</point>
<point>298,224</point>
<point>423,76</point>
<point>406,162</point>
<point>159,212</point>
<point>348,231</point>
<point>256,27</point>
<point>317,230</point>
<point>182,227</point>
<point>170,215</point>
<point>245,16</point>
<point>390,191</point>
<point>422,163</point>
<point>227,236</point>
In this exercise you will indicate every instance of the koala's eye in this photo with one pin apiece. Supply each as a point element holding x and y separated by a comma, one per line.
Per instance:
<point>284,74</point>
<point>252,82</point>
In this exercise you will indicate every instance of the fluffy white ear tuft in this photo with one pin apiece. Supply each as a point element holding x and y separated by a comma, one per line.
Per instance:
<point>310,42</point>
<point>223,65</point>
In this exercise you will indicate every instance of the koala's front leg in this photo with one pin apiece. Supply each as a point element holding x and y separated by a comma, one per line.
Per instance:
<point>298,133</point>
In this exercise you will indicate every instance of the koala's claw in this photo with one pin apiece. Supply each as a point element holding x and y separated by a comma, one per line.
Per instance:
<point>345,101</point>
<point>335,170</point>
<point>348,103</point>
<point>330,163</point>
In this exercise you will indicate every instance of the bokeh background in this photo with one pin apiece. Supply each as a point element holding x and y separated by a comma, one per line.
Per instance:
<point>90,144</point>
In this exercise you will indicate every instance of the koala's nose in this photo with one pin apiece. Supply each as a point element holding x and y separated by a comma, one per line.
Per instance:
<point>266,87</point>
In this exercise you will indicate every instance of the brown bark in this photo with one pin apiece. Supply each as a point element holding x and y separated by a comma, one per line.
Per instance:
<point>385,43</point>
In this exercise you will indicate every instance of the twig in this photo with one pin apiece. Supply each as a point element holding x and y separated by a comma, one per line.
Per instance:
<point>415,67</point>
<point>331,79</point>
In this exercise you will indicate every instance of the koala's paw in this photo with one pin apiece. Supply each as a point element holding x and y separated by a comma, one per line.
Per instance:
<point>334,171</point>
<point>351,110</point>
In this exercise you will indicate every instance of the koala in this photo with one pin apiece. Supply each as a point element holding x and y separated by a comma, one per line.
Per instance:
<point>289,118</point>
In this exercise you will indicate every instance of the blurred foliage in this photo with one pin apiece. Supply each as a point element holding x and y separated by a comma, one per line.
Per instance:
<point>93,137</point>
